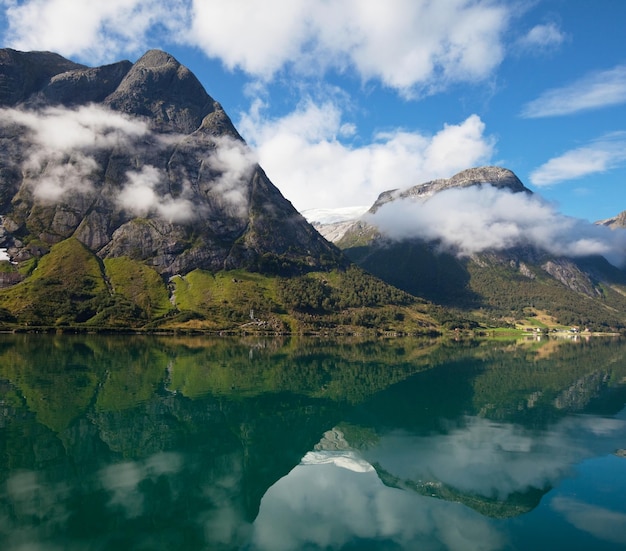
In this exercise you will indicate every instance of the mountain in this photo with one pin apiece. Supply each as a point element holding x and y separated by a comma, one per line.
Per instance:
<point>128,198</point>
<point>527,282</point>
<point>152,183</point>
<point>497,177</point>
<point>618,221</point>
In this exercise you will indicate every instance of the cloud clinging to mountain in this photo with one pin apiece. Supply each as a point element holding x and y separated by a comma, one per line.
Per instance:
<point>60,157</point>
<point>234,162</point>
<point>471,220</point>
<point>140,195</point>
<point>64,146</point>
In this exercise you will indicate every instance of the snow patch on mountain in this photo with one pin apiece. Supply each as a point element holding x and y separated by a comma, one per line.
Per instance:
<point>332,224</point>
<point>333,216</point>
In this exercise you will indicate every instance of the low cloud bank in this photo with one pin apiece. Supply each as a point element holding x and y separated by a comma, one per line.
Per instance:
<point>60,160</point>
<point>467,221</point>
<point>62,144</point>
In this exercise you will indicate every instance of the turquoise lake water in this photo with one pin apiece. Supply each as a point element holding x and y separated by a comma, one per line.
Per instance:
<point>194,443</point>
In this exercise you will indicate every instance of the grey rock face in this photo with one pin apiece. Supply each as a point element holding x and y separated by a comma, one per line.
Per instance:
<point>85,85</point>
<point>23,74</point>
<point>167,93</point>
<point>137,160</point>
<point>570,275</point>
<point>498,177</point>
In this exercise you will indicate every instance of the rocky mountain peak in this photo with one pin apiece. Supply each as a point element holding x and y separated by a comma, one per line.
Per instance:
<point>157,86</point>
<point>159,60</point>
<point>137,160</point>
<point>618,221</point>
<point>496,176</point>
<point>83,85</point>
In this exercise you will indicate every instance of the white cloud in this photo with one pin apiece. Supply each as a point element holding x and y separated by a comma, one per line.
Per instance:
<point>62,142</point>
<point>122,480</point>
<point>604,524</point>
<point>597,157</point>
<point>471,220</point>
<point>65,130</point>
<point>235,163</point>
<point>61,159</point>
<point>403,43</point>
<point>306,159</point>
<point>140,196</point>
<point>458,146</point>
<point>98,31</point>
<point>594,91</point>
<point>476,456</point>
<point>377,513</point>
<point>231,163</point>
<point>256,37</point>
<point>409,45</point>
<point>542,37</point>
<point>51,181</point>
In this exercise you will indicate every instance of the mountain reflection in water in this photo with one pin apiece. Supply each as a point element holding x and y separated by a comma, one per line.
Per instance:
<point>201,443</point>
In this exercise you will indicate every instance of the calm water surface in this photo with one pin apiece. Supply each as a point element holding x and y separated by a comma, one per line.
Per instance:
<point>115,443</point>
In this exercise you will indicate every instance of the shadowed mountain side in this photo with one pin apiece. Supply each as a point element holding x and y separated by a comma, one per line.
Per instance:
<point>415,267</point>
<point>504,272</point>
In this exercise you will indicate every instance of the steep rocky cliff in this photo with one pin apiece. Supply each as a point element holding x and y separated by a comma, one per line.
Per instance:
<point>137,160</point>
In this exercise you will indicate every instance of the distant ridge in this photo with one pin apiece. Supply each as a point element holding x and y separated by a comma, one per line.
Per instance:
<point>520,282</point>
<point>498,177</point>
<point>618,221</point>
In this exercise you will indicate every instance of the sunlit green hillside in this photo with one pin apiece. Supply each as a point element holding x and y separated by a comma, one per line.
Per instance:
<point>70,287</point>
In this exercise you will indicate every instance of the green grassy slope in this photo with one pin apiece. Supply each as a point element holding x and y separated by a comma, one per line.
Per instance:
<point>66,287</point>
<point>72,287</point>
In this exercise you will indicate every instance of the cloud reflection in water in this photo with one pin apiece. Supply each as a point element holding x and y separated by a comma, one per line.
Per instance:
<point>331,502</point>
<point>334,498</point>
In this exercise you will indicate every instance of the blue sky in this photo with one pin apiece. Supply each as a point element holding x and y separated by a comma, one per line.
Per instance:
<point>345,99</point>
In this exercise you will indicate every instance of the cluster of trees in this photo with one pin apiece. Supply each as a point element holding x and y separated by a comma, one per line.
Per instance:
<point>353,288</point>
